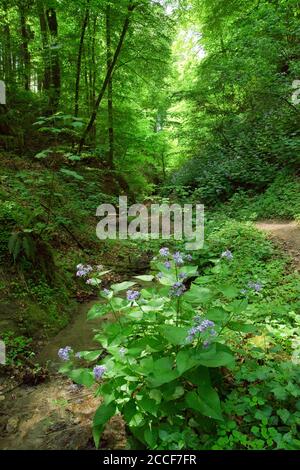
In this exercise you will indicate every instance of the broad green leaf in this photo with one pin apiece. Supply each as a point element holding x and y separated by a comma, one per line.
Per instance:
<point>145,278</point>
<point>122,286</point>
<point>97,311</point>
<point>243,327</point>
<point>216,314</point>
<point>174,334</point>
<point>72,174</point>
<point>207,406</point>
<point>148,405</point>
<point>197,295</point>
<point>150,436</point>
<point>82,377</point>
<point>90,355</point>
<point>163,372</point>
<point>216,356</point>
<point>230,292</point>
<point>101,417</point>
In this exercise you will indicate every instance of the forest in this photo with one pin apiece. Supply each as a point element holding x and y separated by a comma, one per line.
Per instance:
<point>179,341</point>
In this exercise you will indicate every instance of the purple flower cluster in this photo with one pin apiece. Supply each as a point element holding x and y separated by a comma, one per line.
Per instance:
<point>99,371</point>
<point>164,252</point>
<point>64,353</point>
<point>83,270</point>
<point>227,254</point>
<point>133,295</point>
<point>178,258</point>
<point>177,289</point>
<point>201,328</point>
<point>256,286</point>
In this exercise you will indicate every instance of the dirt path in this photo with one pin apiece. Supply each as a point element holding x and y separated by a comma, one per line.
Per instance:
<point>287,233</point>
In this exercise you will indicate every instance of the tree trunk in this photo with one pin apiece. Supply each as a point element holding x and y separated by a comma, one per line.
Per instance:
<point>109,72</point>
<point>45,44</point>
<point>55,64</point>
<point>109,90</point>
<point>25,34</point>
<point>79,58</point>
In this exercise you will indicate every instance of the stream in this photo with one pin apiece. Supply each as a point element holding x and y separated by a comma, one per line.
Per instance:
<point>57,413</point>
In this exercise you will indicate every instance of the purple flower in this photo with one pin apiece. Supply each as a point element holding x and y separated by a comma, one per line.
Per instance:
<point>164,252</point>
<point>256,286</point>
<point>105,292</point>
<point>167,265</point>
<point>201,328</point>
<point>228,255</point>
<point>64,353</point>
<point>83,270</point>
<point>177,289</point>
<point>99,371</point>
<point>206,344</point>
<point>188,257</point>
<point>133,295</point>
<point>178,258</point>
<point>182,275</point>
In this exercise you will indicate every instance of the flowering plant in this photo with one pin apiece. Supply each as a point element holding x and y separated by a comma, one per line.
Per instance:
<point>161,354</point>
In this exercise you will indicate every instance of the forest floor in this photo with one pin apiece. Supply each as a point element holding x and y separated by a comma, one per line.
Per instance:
<point>57,414</point>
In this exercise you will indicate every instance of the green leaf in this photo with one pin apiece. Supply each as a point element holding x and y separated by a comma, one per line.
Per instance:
<point>150,436</point>
<point>102,416</point>
<point>97,311</point>
<point>72,174</point>
<point>122,286</point>
<point>145,278</point>
<point>207,404</point>
<point>174,334</point>
<point>238,306</point>
<point>243,327</point>
<point>216,356</point>
<point>217,314</point>
<point>82,377</point>
<point>90,355</point>
<point>163,372</point>
<point>197,295</point>
<point>148,405</point>
<point>230,292</point>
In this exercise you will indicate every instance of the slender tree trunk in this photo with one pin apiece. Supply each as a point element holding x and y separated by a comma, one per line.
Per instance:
<point>109,72</point>
<point>109,90</point>
<point>55,64</point>
<point>7,59</point>
<point>25,34</point>
<point>46,81</point>
<point>79,58</point>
